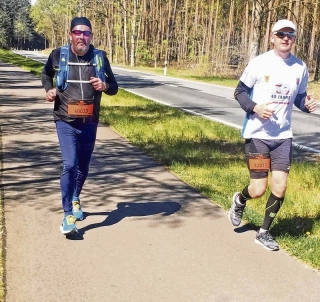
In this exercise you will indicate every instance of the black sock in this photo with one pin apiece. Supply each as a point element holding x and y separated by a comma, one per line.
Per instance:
<point>244,195</point>
<point>273,206</point>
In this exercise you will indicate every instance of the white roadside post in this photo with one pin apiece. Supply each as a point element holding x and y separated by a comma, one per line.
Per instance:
<point>165,68</point>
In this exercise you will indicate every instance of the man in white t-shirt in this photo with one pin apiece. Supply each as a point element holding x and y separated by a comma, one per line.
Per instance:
<point>268,88</point>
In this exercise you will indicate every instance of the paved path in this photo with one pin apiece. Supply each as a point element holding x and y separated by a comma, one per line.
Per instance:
<point>147,237</point>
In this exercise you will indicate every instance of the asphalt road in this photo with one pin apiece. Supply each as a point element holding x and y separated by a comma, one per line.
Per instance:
<point>211,101</point>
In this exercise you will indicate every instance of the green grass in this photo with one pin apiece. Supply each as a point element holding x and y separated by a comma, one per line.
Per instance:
<point>209,156</point>
<point>9,57</point>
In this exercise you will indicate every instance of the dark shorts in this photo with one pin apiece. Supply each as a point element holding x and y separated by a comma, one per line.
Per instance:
<point>279,151</point>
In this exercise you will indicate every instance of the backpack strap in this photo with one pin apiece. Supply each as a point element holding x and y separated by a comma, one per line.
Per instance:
<point>62,77</point>
<point>99,65</point>
<point>63,71</point>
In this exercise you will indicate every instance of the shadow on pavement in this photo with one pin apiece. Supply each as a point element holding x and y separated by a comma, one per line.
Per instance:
<point>126,209</point>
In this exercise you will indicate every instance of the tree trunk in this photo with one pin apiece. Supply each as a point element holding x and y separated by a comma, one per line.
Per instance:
<point>245,37</point>
<point>208,40</point>
<point>230,30</point>
<point>133,33</point>
<point>317,68</point>
<point>125,39</point>
<point>267,33</point>
<point>289,10</point>
<point>313,33</point>
<point>214,45</point>
<point>253,43</point>
<point>184,45</point>
<point>297,22</point>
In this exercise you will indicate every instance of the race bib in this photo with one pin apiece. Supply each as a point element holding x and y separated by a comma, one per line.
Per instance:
<point>259,162</point>
<point>80,108</point>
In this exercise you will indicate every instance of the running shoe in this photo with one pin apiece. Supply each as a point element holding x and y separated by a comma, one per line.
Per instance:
<point>76,210</point>
<point>68,225</point>
<point>267,241</point>
<point>236,210</point>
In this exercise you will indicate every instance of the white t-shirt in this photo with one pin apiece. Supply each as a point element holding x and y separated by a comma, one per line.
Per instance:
<point>278,80</point>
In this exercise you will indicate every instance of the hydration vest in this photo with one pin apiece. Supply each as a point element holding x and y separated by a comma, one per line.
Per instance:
<point>62,76</point>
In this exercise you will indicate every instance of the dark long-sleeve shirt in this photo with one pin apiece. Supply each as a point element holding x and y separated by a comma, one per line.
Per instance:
<point>77,91</point>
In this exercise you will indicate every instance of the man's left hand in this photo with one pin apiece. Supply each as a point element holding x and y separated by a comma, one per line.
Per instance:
<point>310,103</point>
<point>98,84</point>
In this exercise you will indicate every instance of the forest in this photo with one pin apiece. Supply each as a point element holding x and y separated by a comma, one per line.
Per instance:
<point>221,36</point>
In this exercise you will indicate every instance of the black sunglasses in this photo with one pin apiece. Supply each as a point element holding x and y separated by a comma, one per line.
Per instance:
<point>86,33</point>
<point>282,34</point>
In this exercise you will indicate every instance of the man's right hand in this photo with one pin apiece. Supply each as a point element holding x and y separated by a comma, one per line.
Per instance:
<point>51,95</point>
<point>263,110</point>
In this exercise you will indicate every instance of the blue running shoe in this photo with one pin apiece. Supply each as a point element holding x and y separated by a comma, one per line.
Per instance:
<point>68,225</point>
<point>76,210</point>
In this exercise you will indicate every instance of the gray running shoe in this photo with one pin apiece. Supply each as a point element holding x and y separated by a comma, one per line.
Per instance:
<point>266,240</point>
<point>236,210</point>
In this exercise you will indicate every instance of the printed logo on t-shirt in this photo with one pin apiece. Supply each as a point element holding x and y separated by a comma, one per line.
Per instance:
<point>283,89</point>
<point>266,78</point>
<point>281,94</point>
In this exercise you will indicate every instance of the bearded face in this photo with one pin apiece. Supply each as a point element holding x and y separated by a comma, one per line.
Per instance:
<point>80,38</point>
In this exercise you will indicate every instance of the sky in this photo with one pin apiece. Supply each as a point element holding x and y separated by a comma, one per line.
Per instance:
<point>33,1</point>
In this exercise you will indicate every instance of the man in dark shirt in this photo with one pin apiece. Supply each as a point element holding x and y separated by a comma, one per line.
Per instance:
<point>76,112</point>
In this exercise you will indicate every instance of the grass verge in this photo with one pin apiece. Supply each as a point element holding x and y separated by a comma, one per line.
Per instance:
<point>209,156</point>
<point>32,66</point>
